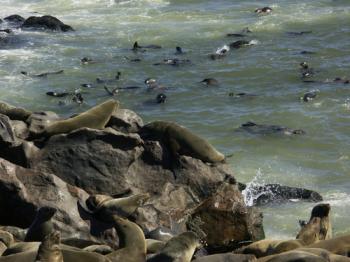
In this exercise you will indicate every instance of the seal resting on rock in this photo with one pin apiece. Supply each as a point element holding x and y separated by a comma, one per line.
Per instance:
<point>96,117</point>
<point>49,250</point>
<point>182,141</point>
<point>132,242</point>
<point>179,248</point>
<point>104,207</point>
<point>42,225</point>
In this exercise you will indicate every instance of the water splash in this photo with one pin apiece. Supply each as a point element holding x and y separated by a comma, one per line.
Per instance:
<point>249,193</point>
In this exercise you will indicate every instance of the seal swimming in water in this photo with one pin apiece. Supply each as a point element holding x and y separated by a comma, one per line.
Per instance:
<point>258,129</point>
<point>49,249</point>
<point>137,46</point>
<point>160,98</point>
<point>104,207</point>
<point>178,51</point>
<point>132,242</point>
<point>182,141</point>
<point>42,225</point>
<point>263,10</point>
<point>57,94</point>
<point>309,96</point>
<point>210,81</point>
<point>42,74</point>
<point>96,117</point>
<point>178,249</point>
<point>241,34</point>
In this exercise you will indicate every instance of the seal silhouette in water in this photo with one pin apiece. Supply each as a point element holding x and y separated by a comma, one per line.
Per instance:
<point>263,10</point>
<point>258,129</point>
<point>210,82</point>
<point>42,74</point>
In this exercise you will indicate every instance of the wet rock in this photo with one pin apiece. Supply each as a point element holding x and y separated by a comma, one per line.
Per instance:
<point>46,22</point>
<point>16,19</point>
<point>14,113</point>
<point>275,193</point>
<point>23,191</point>
<point>39,120</point>
<point>227,257</point>
<point>223,212</point>
<point>20,154</point>
<point>125,120</point>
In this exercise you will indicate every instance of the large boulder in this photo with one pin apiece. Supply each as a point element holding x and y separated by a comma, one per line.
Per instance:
<point>46,22</point>
<point>23,191</point>
<point>14,113</point>
<point>224,220</point>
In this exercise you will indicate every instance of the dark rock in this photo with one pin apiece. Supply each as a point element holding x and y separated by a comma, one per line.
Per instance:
<point>125,120</point>
<point>223,212</point>
<point>39,120</point>
<point>23,191</point>
<point>94,160</point>
<point>14,113</point>
<point>14,19</point>
<point>227,257</point>
<point>46,22</point>
<point>275,193</point>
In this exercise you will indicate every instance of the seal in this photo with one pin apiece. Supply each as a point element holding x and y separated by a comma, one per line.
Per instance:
<point>182,141</point>
<point>263,10</point>
<point>105,207</point>
<point>96,117</point>
<point>294,255</point>
<point>258,129</point>
<point>179,248</point>
<point>112,92</point>
<point>57,94</point>
<point>210,82</point>
<point>42,225</point>
<point>320,211</point>
<point>154,246</point>
<point>160,98</point>
<point>308,96</point>
<point>132,242</point>
<point>179,51</point>
<point>42,74</point>
<point>100,249</point>
<point>49,249</point>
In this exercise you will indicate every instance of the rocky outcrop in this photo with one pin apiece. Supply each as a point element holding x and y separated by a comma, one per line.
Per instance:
<point>226,258</point>
<point>224,212</point>
<point>14,113</point>
<point>46,22</point>
<point>185,193</point>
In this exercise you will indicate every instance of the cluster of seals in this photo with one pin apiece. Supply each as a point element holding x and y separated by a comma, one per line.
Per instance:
<point>182,141</point>
<point>314,234</point>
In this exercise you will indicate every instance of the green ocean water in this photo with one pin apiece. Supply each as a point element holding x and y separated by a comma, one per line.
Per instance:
<point>106,31</point>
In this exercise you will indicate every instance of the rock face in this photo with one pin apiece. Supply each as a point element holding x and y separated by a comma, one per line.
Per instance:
<point>46,22</point>
<point>16,19</point>
<point>224,212</point>
<point>185,193</point>
<point>22,191</point>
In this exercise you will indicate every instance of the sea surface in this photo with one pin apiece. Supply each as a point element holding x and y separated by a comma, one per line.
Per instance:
<point>106,31</point>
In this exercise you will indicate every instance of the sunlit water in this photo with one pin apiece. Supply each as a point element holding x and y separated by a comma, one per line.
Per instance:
<point>106,30</point>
